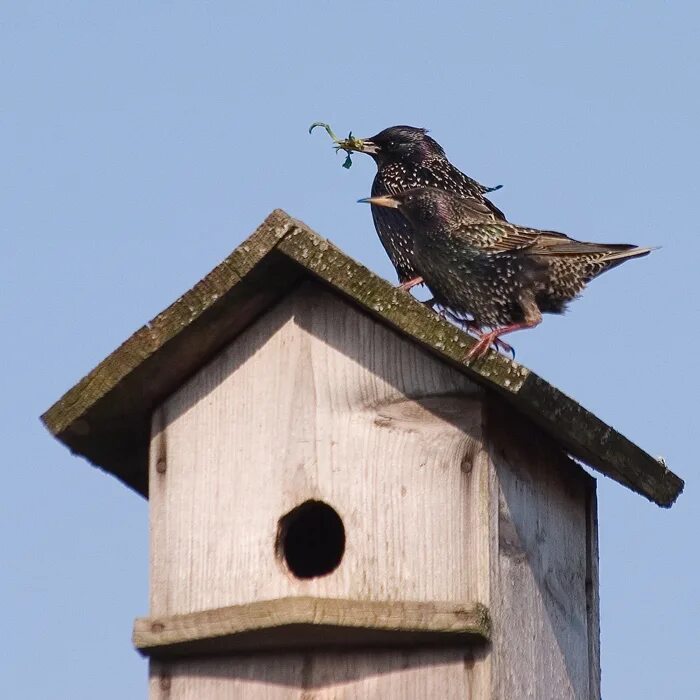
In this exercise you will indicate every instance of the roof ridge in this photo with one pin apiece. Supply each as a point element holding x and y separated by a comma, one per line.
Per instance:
<point>115,399</point>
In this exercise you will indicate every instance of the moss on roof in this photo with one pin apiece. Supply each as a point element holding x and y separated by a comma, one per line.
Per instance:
<point>105,417</point>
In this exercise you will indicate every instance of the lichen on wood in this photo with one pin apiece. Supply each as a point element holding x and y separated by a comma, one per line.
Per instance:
<point>312,623</point>
<point>105,417</point>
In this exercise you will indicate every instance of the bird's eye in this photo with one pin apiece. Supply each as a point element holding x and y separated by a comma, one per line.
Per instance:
<point>391,145</point>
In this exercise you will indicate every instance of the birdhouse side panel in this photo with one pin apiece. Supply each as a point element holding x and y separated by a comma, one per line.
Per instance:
<point>544,577</point>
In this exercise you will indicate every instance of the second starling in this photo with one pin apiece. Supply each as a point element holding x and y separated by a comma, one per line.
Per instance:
<point>406,158</point>
<point>505,276</point>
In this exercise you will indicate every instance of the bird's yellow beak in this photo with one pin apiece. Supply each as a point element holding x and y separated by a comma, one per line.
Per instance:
<point>381,202</point>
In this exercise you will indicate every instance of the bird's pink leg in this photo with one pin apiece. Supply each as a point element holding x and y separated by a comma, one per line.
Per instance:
<point>493,338</point>
<point>533,316</point>
<point>409,284</point>
<point>471,326</point>
<point>496,342</point>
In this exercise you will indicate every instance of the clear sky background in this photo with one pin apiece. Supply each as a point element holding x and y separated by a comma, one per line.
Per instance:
<point>141,142</point>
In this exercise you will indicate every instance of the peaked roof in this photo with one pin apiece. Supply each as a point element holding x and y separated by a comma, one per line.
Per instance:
<point>105,417</point>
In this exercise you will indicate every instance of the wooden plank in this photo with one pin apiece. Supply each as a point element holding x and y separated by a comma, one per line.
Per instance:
<point>315,401</point>
<point>593,592</point>
<point>401,311</point>
<point>306,622</point>
<point>169,323</point>
<point>105,416</point>
<point>579,431</point>
<point>539,601</point>
<point>589,439</point>
<point>356,675</point>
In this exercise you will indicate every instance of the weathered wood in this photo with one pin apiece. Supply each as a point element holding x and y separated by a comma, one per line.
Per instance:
<point>304,622</point>
<point>579,431</point>
<point>315,401</point>
<point>544,617</point>
<point>374,675</point>
<point>593,593</point>
<point>587,438</point>
<point>105,417</point>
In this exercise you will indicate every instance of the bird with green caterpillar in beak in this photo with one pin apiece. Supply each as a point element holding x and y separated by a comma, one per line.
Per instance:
<point>406,157</point>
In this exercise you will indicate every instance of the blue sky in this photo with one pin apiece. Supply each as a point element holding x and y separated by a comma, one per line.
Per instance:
<point>141,142</point>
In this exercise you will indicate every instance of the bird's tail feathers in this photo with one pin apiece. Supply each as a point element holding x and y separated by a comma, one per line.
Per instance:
<point>630,252</point>
<point>609,252</point>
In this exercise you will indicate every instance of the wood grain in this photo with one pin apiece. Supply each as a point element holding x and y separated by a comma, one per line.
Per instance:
<point>544,620</point>
<point>106,416</point>
<point>315,401</point>
<point>305,622</point>
<point>375,675</point>
<point>593,592</point>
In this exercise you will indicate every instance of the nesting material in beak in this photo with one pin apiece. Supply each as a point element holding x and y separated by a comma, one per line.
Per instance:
<point>358,145</point>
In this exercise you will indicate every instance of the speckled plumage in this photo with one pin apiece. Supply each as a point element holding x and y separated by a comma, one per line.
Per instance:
<point>407,158</point>
<point>501,274</point>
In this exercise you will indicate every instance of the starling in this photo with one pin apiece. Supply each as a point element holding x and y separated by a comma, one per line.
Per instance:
<point>406,158</point>
<point>505,276</point>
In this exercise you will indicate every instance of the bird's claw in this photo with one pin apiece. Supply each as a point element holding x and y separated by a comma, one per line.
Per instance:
<point>485,341</point>
<point>504,347</point>
<point>479,349</point>
<point>470,326</point>
<point>409,284</point>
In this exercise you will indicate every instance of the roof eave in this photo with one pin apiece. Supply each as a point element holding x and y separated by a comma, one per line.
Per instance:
<point>106,416</point>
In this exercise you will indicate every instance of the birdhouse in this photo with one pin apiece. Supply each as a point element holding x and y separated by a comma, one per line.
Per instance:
<point>340,505</point>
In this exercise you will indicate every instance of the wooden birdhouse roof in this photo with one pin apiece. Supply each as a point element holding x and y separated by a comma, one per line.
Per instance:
<point>106,416</point>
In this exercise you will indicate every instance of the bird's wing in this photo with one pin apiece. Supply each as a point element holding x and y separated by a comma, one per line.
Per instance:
<point>495,210</point>
<point>446,176</point>
<point>485,206</point>
<point>502,237</point>
<point>475,207</point>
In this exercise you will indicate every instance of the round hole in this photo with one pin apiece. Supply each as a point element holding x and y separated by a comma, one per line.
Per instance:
<point>311,539</point>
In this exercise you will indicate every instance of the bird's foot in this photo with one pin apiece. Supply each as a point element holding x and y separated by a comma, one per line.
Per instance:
<point>409,284</point>
<point>486,340</point>
<point>494,338</point>
<point>504,347</point>
<point>482,345</point>
<point>470,326</point>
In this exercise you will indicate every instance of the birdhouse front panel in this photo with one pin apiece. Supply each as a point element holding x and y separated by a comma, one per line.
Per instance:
<point>446,674</point>
<point>319,454</point>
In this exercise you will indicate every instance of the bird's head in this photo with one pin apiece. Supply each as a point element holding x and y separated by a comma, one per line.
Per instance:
<point>397,144</point>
